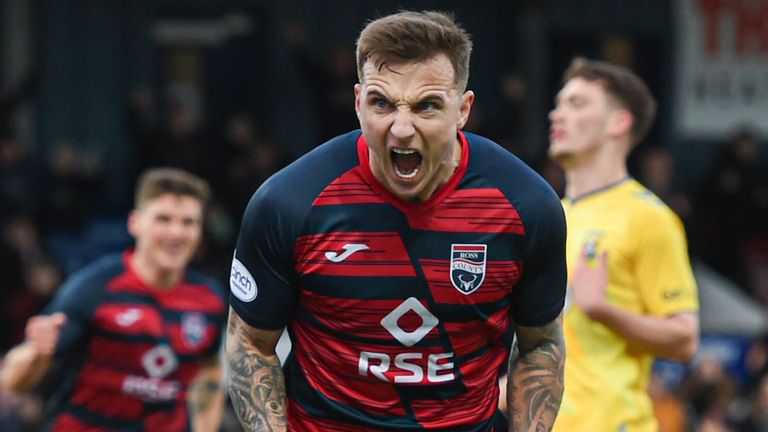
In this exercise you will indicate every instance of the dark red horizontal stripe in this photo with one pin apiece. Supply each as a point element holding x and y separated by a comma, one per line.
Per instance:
<point>182,298</point>
<point>480,376</point>
<point>471,336</point>
<point>500,279</point>
<point>360,317</point>
<point>385,256</point>
<point>300,420</point>
<point>350,188</point>
<point>471,210</point>
<point>330,366</point>
<point>69,423</point>
<point>99,390</point>
<point>129,319</point>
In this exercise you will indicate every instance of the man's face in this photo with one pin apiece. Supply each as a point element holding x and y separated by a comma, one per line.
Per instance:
<point>579,122</point>
<point>410,114</point>
<point>167,230</point>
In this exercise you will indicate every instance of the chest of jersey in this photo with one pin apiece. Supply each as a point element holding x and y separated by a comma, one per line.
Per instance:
<point>381,273</point>
<point>400,254</point>
<point>597,228</point>
<point>150,345</point>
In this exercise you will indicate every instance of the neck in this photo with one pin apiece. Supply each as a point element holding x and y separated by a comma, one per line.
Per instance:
<point>152,275</point>
<point>594,172</point>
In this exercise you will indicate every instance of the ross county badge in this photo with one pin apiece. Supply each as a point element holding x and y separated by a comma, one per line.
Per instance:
<point>468,266</point>
<point>193,327</point>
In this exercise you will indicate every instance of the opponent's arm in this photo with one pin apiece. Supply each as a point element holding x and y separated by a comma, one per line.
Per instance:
<point>256,381</point>
<point>26,364</point>
<point>535,383</point>
<point>673,337</point>
<point>205,398</point>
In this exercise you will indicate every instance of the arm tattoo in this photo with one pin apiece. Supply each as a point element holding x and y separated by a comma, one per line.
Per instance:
<point>202,395</point>
<point>535,386</point>
<point>256,383</point>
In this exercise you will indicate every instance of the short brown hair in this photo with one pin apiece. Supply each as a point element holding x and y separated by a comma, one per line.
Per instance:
<point>159,181</point>
<point>410,36</point>
<point>624,86</point>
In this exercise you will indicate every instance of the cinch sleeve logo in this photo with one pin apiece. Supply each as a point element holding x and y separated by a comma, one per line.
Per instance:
<point>241,282</point>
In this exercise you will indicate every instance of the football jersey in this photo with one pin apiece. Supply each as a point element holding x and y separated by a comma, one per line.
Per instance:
<point>649,273</point>
<point>397,311</point>
<point>127,351</point>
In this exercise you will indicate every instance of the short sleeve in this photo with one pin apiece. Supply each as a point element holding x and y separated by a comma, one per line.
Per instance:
<point>75,298</point>
<point>664,273</point>
<point>262,267</point>
<point>539,295</point>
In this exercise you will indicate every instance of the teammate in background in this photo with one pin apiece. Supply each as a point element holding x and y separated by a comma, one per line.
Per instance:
<point>398,256</point>
<point>131,341</point>
<point>632,295</point>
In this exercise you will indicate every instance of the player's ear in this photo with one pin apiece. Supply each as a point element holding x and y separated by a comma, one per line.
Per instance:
<point>620,123</point>
<point>133,223</point>
<point>465,106</point>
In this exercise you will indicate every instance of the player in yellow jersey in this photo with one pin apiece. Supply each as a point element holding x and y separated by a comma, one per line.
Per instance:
<point>631,296</point>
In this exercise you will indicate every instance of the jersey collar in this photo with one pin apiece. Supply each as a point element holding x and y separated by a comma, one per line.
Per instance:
<point>404,206</point>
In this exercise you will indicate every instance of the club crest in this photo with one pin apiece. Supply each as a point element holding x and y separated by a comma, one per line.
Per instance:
<point>193,326</point>
<point>468,266</point>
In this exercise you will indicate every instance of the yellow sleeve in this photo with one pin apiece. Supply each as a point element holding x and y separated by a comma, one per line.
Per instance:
<point>663,267</point>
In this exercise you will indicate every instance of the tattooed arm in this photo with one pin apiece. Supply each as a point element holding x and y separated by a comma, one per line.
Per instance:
<point>256,381</point>
<point>535,386</point>
<point>205,397</point>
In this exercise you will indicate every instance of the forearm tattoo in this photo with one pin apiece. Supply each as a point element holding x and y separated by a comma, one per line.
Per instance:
<point>536,378</point>
<point>202,395</point>
<point>256,383</point>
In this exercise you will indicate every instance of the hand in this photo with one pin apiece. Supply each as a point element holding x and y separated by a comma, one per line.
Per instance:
<point>43,331</point>
<point>589,283</point>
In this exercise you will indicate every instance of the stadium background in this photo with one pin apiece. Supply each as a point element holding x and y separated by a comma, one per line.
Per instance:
<point>93,91</point>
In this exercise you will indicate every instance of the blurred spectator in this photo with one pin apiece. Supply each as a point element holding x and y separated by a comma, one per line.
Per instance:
<point>756,419</point>
<point>709,390</point>
<point>21,234</point>
<point>732,207</point>
<point>251,159</point>
<point>668,405</point>
<point>330,77</point>
<point>507,124</point>
<point>42,277</point>
<point>142,126</point>
<point>73,185</point>
<point>657,172</point>
<point>17,177</point>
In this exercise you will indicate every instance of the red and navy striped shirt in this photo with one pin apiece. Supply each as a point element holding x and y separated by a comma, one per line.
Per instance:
<point>128,352</point>
<point>398,311</point>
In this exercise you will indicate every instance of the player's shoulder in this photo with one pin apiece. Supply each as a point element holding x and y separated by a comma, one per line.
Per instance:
<point>94,276</point>
<point>197,277</point>
<point>639,197</point>
<point>320,165</point>
<point>504,170</point>
<point>303,179</point>
<point>645,206</point>
<point>106,267</point>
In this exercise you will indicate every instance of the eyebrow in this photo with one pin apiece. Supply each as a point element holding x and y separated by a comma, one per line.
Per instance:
<point>428,97</point>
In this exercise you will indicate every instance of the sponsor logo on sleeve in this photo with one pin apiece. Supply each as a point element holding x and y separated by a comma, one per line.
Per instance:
<point>241,282</point>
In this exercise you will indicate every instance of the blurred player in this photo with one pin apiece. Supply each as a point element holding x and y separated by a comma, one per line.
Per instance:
<point>398,256</point>
<point>632,295</point>
<point>131,341</point>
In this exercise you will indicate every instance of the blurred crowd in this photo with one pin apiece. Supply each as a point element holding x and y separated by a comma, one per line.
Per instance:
<point>53,216</point>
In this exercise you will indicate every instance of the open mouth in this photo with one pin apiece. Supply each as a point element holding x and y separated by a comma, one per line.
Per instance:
<point>406,162</point>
